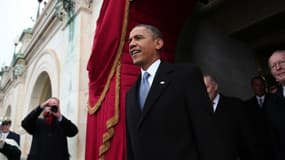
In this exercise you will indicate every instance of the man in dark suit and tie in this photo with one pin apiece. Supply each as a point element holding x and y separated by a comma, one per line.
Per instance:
<point>9,141</point>
<point>7,133</point>
<point>255,107</point>
<point>234,125</point>
<point>168,113</point>
<point>275,106</point>
<point>258,88</point>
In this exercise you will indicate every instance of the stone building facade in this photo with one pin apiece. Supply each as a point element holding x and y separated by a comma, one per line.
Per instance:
<point>52,61</point>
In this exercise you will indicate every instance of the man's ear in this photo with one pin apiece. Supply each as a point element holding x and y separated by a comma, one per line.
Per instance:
<point>216,86</point>
<point>159,43</point>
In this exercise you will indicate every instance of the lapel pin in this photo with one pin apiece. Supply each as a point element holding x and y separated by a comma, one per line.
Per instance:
<point>161,82</point>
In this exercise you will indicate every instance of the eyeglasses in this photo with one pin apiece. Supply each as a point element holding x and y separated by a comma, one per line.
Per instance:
<point>279,64</point>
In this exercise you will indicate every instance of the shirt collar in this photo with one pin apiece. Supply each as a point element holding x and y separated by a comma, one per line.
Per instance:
<point>152,68</point>
<point>4,135</point>
<point>216,101</point>
<point>262,97</point>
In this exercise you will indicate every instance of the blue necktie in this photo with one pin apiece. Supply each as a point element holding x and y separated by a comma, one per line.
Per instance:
<point>144,88</point>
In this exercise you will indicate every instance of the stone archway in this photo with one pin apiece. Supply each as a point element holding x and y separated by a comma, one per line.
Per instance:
<point>42,90</point>
<point>42,79</point>
<point>6,114</point>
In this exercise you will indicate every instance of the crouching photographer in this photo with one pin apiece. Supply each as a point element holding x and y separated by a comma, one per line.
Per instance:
<point>49,131</point>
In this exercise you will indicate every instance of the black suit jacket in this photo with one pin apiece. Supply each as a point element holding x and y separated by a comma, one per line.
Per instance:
<point>176,122</point>
<point>11,151</point>
<point>15,136</point>
<point>237,130</point>
<point>252,103</point>
<point>275,110</point>
<point>258,117</point>
<point>49,142</point>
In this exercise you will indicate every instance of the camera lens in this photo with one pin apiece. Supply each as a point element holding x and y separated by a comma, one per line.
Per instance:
<point>54,108</point>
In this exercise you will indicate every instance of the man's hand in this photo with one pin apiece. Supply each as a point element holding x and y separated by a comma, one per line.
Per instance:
<point>58,113</point>
<point>51,103</point>
<point>45,104</point>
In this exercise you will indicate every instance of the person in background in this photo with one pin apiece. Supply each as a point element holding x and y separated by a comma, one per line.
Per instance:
<point>258,87</point>
<point>9,142</point>
<point>7,133</point>
<point>255,107</point>
<point>275,107</point>
<point>49,132</point>
<point>234,124</point>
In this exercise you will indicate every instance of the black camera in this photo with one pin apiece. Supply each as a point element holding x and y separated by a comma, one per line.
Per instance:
<point>54,108</point>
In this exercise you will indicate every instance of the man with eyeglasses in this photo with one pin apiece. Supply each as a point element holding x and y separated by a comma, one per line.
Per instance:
<point>276,105</point>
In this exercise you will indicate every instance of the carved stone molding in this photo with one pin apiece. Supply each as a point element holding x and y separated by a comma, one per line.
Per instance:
<point>83,3</point>
<point>19,69</point>
<point>1,96</point>
<point>64,8</point>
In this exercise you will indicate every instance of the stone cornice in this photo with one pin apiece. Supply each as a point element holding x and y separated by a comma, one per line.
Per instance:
<point>51,20</point>
<point>42,28</point>
<point>6,80</point>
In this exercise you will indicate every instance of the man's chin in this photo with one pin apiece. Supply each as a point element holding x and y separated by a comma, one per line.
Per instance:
<point>136,62</point>
<point>282,80</point>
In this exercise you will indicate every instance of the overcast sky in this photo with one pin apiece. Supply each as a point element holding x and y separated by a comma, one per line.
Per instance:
<point>15,17</point>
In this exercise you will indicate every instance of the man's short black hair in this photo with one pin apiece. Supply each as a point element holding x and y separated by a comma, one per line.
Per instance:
<point>154,30</point>
<point>6,122</point>
<point>257,78</point>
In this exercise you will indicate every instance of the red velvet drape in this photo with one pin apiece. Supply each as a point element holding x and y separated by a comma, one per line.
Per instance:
<point>111,71</point>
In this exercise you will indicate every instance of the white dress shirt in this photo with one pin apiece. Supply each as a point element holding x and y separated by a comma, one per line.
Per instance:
<point>216,101</point>
<point>152,69</point>
<point>260,100</point>
<point>4,135</point>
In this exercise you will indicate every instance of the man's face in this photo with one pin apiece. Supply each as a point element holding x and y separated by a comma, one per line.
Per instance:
<point>258,87</point>
<point>277,66</point>
<point>212,88</point>
<point>51,102</point>
<point>5,128</point>
<point>143,47</point>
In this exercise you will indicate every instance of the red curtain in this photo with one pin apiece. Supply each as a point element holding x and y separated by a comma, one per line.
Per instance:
<point>111,71</point>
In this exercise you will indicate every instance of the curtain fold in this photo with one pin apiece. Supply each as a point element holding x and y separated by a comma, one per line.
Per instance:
<point>111,71</point>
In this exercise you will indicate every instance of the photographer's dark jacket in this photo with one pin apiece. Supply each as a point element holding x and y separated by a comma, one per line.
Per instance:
<point>49,141</point>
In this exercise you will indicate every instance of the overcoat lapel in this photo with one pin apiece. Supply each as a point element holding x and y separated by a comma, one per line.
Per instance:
<point>280,96</point>
<point>161,81</point>
<point>135,101</point>
<point>220,104</point>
